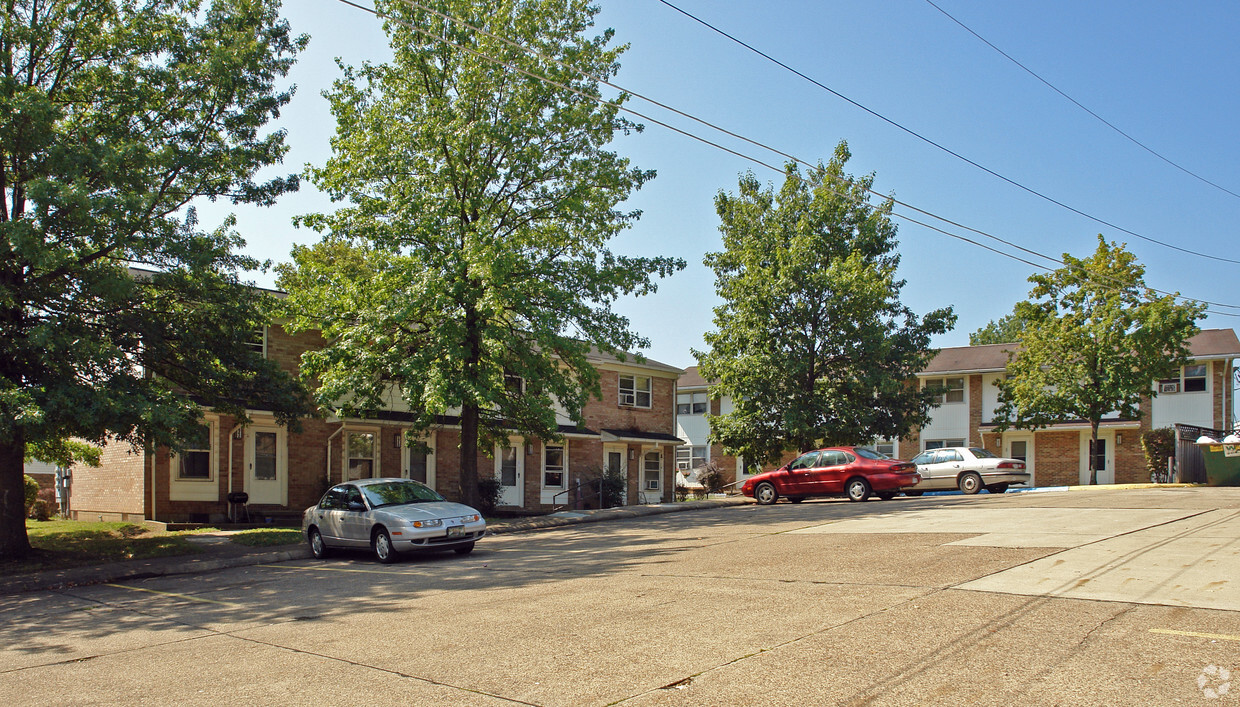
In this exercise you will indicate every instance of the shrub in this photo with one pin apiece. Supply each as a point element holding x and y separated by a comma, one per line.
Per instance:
<point>489,490</point>
<point>48,496</point>
<point>613,485</point>
<point>1159,446</point>
<point>711,478</point>
<point>39,510</point>
<point>682,492</point>
<point>31,490</point>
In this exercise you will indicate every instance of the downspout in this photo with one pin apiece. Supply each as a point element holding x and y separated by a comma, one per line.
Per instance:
<point>231,432</point>
<point>154,517</point>
<point>329,453</point>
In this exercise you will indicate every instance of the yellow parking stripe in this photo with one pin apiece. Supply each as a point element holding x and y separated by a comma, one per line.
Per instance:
<point>323,569</point>
<point>1194,634</point>
<point>171,594</point>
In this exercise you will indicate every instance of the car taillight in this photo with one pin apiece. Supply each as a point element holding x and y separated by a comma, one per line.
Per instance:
<point>1011,465</point>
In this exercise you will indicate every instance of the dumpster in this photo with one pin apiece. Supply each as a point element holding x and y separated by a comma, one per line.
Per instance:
<point>1222,460</point>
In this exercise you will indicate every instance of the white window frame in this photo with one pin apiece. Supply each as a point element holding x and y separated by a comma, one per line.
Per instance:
<point>945,398</point>
<point>929,444</point>
<point>562,469</point>
<point>630,395</point>
<point>259,342</point>
<point>375,452</point>
<point>1204,378</point>
<point>687,460</point>
<point>691,403</point>
<point>208,489</point>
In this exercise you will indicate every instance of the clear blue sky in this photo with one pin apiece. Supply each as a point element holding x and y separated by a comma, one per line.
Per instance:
<point>1165,73</point>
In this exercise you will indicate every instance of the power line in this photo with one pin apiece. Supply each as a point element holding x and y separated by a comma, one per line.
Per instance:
<point>618,106</point>
<point>948,150</point>
<point>1077,103</point>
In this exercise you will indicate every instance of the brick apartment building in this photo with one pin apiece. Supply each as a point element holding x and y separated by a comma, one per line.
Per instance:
<point>631,429</point>
<point>1201,395</point>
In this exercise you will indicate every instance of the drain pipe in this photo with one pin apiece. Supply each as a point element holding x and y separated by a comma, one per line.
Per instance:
<point>329,453</point>
<point>154,516</point>
<point>232,432</point>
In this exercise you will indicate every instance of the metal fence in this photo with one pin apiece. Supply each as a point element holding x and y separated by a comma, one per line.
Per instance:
<point>1189,462</point>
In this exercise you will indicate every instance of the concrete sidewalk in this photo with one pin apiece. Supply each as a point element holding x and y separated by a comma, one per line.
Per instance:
<point>217,551</point>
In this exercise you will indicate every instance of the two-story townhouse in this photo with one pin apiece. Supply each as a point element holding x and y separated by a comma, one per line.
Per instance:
<point>629,429</point>
<point>1200,395</point>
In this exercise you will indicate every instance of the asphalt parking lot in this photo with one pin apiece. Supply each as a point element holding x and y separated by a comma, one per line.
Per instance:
<point>1082,597</point>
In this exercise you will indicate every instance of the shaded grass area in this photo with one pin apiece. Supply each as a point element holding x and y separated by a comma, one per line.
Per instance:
<point>59,544</point>
<point>263,537</point>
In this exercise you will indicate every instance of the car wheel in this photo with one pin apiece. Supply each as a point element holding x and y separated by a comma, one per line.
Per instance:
<point>858,490</point>
<point>464,549</point>
<point>913,494</point>
<point>997,488</point>
<point>382,545</point>
<point>317,547</point>
<point>766,494</point>
<point>795,499</point>
<point>886,496</point>
<point>970,483</point>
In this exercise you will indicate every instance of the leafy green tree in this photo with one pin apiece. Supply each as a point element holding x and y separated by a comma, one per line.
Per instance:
<point>1006,330</point>
<point>812,341</point>
<point>473,249</point>
<point>114,116</point>
<point>1097,339</point>
<point>63,452</point>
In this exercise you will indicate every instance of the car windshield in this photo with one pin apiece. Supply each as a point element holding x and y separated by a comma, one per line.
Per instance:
<point>396,493</point>
<point>867,453</point>
<point>983,453</point>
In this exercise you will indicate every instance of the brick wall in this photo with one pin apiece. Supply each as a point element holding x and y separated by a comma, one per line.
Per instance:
<point>115,490</point>
<point>606,412</point>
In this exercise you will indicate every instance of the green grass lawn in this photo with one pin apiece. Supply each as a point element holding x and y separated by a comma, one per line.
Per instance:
<point>69,543</point>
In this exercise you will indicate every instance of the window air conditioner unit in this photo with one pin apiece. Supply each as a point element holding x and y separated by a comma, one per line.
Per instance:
<point>1169,387</point>
<point>629,399</point>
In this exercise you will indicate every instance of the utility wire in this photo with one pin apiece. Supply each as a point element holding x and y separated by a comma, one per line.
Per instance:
<point>1077,103</point>
<point>602,101</point>
<point>948,150</point>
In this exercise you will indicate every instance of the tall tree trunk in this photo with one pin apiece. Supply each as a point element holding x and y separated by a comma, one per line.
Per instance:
<point>469,455</point>
<point>13,541</point>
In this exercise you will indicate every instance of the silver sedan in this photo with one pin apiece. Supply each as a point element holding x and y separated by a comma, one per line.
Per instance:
<point>390,516</point>
<point>969,469</point>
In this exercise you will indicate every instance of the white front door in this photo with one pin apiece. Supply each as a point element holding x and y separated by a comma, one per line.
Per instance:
<point>419,465</point>
<point>510,470</point>
<point>1104,454</point>
<point>266,465</point>
<point>1017,446</point>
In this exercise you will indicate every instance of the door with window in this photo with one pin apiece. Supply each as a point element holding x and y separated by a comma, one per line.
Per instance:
<point>510,470</point>
<point>266,465</point>
<point>831,472</point>
<point>419,464</point>
<point>615,462</point>
<point>1102,458</point>
<point>652,476</point>
<point>1020,447</point>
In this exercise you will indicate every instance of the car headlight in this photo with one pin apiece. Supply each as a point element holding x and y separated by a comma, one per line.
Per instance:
<point>471,518</point>
<point>433,523</point>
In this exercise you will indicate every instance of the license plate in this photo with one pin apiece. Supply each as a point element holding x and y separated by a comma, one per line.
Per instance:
<point>455,531</point>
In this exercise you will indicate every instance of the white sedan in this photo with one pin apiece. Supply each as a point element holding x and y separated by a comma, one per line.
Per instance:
<point>969,469</point>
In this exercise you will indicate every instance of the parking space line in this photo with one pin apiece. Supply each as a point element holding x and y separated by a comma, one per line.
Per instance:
<point>174,595</point>
<point>323,569</point>
<point>1194,634</point>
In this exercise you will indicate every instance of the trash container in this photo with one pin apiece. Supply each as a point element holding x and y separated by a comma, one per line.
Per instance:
<point>1222,460</point>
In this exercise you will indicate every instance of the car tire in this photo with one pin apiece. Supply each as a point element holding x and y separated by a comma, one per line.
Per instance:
<point>381,543</point>
<point>886,496</point>
<point>997,488</point>
<point>765,493</point>
<point>913,494</point>
<point>858,490</point>
<point>318,548</point>
<point>795,499</point>
<point>970,483</point>
<point>464,549</point>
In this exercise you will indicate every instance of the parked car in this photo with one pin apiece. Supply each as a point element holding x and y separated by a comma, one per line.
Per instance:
<point>969,469</point>
<point>390,516</point>
<point>855,472</point>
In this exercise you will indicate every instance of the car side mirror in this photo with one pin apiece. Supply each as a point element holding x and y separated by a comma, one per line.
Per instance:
<point>357,506</point>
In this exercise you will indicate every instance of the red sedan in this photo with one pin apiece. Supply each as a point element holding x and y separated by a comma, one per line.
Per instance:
<point>855,472</point>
